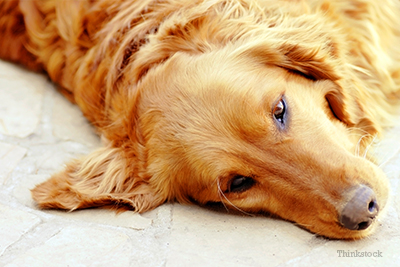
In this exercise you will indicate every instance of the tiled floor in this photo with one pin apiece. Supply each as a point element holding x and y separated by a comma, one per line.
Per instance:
<point>40,130</point>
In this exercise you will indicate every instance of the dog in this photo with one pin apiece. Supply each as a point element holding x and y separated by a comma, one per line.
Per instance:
<point>262,106</point>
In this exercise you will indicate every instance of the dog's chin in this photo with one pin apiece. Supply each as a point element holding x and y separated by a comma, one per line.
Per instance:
<point>345,234</point>
<point>336,231</point>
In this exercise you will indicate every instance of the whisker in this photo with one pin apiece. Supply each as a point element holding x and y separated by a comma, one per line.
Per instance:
<point>357,149</point>
<point>230,203</point>
<point>369,146</point>
<point>220,194</point>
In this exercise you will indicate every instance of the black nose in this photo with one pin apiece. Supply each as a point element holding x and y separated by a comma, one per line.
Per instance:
<point>360,211</point>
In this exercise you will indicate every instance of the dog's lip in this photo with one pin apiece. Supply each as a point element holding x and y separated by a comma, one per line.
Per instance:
<point>373,222</point>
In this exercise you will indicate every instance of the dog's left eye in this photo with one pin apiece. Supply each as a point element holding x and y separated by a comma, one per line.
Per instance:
<point>279,111</point>
<point>240,183</point>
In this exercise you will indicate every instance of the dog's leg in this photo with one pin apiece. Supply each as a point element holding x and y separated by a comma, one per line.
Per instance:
<point>105,177</point>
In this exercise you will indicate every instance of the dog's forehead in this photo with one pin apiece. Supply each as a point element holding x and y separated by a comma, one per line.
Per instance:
<point>217,79</point>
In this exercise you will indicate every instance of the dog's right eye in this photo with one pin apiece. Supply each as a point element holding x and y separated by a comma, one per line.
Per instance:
<point>240,183</point>
<point>279,112</point>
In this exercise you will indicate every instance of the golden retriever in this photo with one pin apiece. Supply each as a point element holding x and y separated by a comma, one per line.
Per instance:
<point>262,105</point>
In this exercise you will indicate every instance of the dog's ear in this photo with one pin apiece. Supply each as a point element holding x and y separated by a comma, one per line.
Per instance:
<point>313,63</point>
<point>348,107</point>
<point>106,177</point>
<point>341,105</point>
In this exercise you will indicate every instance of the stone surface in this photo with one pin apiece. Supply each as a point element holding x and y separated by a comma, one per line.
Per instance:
<point>20,107</point>
<point>68,123</point>
<point>10,155</point>
<point>79,246</point>
<point>14,224</point>
<point>200,237</point>
<point>108,217</point>
<point>40,131</point>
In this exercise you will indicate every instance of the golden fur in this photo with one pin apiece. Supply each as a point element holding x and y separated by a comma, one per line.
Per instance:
<point>184,92</point>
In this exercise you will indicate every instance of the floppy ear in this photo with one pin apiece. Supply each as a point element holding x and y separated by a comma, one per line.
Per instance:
<point>105,177</point>
<point>316,64</point>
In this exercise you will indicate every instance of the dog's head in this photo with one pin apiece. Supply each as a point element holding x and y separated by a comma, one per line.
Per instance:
<point>260,132</point>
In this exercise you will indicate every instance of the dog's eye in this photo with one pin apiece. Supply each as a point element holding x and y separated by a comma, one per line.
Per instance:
<point>240,183</point>
<point>279,111</point>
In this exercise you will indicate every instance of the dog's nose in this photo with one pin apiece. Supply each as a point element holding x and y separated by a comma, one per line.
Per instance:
<point>360,211</point>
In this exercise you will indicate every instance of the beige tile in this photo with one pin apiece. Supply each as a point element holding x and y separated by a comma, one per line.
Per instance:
<point>10,156</point>
<point>21,190</point>
<point>51,157</point>
<point>20,108</point>
<point>79,246</point>
<point>14,224</point>
<point>206,238</point>
<point>127,219</point>
<point>69,123</point>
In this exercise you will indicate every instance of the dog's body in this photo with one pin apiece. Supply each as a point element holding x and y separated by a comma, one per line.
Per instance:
<point>262,105</point>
